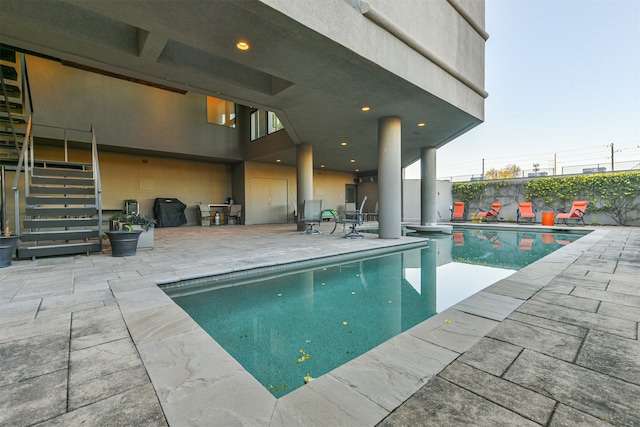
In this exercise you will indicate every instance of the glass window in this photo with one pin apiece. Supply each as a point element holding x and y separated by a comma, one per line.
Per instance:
<point>221,112</point>
<point>263,123</point>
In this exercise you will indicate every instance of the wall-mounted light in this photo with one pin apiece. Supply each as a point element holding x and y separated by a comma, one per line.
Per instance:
<point>242,45</point>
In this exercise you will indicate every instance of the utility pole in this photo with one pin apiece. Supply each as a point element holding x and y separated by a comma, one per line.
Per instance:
<point>482,168</point>
<point>612,169</point>
<point>555,163</point>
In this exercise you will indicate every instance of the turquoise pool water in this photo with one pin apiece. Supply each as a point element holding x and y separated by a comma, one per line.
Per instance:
<point>306,323</point>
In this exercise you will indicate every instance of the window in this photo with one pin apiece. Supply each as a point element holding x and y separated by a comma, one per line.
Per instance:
<point>263,123</point>
<point>221,112</point>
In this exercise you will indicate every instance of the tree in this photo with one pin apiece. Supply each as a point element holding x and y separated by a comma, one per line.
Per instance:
<point>509,171</point>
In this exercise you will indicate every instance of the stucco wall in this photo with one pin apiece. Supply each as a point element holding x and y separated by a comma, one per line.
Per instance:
<point>126,114</point>
<point>411,199</point>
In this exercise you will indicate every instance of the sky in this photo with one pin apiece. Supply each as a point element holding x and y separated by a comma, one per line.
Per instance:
<point>563,78</point>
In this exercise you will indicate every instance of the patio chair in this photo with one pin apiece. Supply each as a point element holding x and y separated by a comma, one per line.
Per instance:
<point>526,212</point>
<point>235,214</point>
<point>459,212</point>
<point>578,209</point>
<point>373,216</point>
<point>354,218</point>
<point>312,214</point>
<point>525,243</point>
<point>492,213</point>
<point>205,215</point>
<point>458,238</point>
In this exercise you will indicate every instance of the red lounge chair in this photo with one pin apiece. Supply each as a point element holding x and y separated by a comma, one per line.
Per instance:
<point>526,212</point>
<point>459,212</point>
<point>492,213</point>
<point>458,238</point>
<point>526,243</point>
<point>576,213</point>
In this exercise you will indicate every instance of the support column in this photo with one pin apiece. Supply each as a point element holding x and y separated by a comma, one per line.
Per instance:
<point>389,178</point>
<point>304,176</point>
<point>428,187</point>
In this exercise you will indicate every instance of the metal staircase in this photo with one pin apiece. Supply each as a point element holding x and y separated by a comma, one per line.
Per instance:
<point>58,203</point>
<point>13,115</point>
<point>63,213</point>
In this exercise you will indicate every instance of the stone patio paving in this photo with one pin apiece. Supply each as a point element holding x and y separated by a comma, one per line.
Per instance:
<point>91,340</point>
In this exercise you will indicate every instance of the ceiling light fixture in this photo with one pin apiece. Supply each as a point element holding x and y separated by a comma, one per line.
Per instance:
<point>353,160</point>
<point>421,124</point>
<point>357,170</point>
<point>321,166</point>
<point>242,45</point>
<point>343,143</point>
<point>365,108</point>
<point>278,160</point>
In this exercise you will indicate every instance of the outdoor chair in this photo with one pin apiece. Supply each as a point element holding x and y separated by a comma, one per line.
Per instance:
<point>578,209</point>
<point>459,212</point>
<point>492,213</point>
<point>354,218</point>
<point>373,216</point>
<point>235,214</point>
<point>525,243</point>
<point>312,214</point>
<point>205,215</point>
<point>458,238</point>
<point>526,212</point>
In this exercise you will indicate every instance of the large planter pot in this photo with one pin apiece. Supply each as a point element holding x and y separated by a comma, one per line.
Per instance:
<point>124,243</point>
<point>7,245</point>
<point>146,238</point>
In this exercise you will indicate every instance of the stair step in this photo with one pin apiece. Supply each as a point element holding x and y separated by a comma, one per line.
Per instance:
<point>52,250</point>
<point>66,211</point>
<point>60,172</point>
<point>13,91</point>
<point>9,72</point>
<point>39,236</point>
<point>59,222</point>
<point>61,181</point>
<point>61,190</point>
<point>40,200</point>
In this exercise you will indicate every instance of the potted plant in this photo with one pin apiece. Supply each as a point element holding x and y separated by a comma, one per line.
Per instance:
<point>145,223</point>
<point>7,245</point>
<point>124,242</point>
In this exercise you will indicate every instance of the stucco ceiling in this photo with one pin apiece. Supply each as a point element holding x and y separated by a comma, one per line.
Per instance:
<point>316,86</point>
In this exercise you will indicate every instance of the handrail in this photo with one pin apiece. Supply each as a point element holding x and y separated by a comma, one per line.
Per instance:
<point>22,161</point>
<point>95,167</point>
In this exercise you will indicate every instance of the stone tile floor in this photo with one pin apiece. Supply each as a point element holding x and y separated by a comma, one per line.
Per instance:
<point>90,340</point>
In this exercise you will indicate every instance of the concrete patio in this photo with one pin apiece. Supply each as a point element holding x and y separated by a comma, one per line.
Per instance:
<point>92,340</point>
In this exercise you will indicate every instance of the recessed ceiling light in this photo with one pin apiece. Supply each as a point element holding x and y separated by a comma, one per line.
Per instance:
<point>242,45</point>
<point>321,166</point>
<point>353,160</point>
<point>278,160</point>
<point>421,124</point>
<point>365,108</point>
<point>357,170</point>
<point>343,143</point>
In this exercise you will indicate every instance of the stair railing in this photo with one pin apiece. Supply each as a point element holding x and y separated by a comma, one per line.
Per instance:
<point>23,162</point>
<point>95,167</point>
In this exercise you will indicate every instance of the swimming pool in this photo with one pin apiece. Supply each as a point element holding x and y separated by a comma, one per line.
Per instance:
<point>290,326</point>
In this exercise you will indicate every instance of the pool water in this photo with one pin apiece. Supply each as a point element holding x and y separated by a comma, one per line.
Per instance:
<point>306,323</point>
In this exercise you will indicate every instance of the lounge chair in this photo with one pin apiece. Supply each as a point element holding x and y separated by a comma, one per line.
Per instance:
<point>526,212</point>
<point>459,212</point>
<point>492,213</point>
<point>354,218</point>
<point>458,238</point>
<point>205,215</point>
<point>526,243</point>
<point>578,209</point>
<point>235,214</point>
<point>312,214</point>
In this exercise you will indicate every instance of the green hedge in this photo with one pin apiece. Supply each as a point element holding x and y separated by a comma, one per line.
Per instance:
<point>614,194</point>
